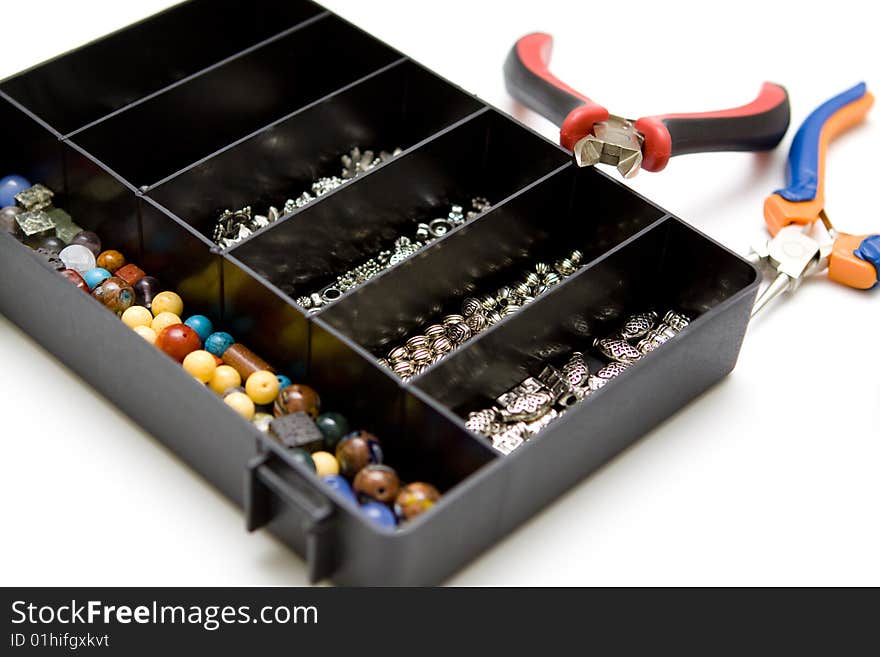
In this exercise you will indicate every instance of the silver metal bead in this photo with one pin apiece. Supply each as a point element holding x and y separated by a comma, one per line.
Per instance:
<point>398,354</point>
<point>435,331</point>
<point>551,279</point>
<point>617,349</point>
<point>449,320</point>
<point>477,322</point>
<point>637,326</point>
<point>559,386</point>
<point>403,369</point>
<point>442,345</point>
<point>677,321</point>
<point>489,302</point>
<point>537,426</point>
<point>542,268</point>
<point>470,306</point>
<point>317,300</point>
<point>439,227</point>
<point>459,332</point>
<point>533,280</point>
<point>576,257</point>
<point>305,302</point>
<point>493,317</point>
<point>576,370</point>
<point>416,342</point>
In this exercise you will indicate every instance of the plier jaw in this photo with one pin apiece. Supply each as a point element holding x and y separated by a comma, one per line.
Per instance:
<point>597,136</point>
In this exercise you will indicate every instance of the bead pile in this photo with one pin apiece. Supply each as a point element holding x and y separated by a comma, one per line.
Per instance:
<point>436,341</point>
<point>526,409</point>
<point>403,248</point>
<point>235,225</point>
<point>350,462</point>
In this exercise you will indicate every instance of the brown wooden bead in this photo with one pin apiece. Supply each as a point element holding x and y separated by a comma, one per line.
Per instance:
<point>244,361</point>
<point>295,398</point>
<point>357,450</point>
<point>377,482</point>
<point>111,261</point>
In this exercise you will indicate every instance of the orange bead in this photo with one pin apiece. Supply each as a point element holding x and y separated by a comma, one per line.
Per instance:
<point>262,387</point>
<point>225,377</point>
<point>111,260</point>
<point>200,364</point>
<point>241,403</point>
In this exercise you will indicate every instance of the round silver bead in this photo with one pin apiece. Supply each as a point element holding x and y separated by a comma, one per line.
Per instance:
<point>470,306</point>
<point>398,354</point>
<point>477,322</point>
<point>542,268</point>
<point>435,331</point>
<point>460,332</point>
<point>449,320</point>
<point>416,342</point>
<point>442,345</point>
<point>403,369</point>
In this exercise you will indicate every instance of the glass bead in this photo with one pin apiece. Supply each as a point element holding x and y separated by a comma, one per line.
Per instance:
<point>8,222</point>
<point>219,342</point>
<point>356,451</point>
<point>201,325</point>
<point>179,340</point>
<point>340,484</point>
<point>262,387</point>
<point>145,289</point>
<point>164,320</point>
<point>115,294</point>
<point>325,463</point>
<point>334,426</point>
<point>10,186</point>
<point>131,274</point>
<point>77,257</point>
<point>111,260</point>
<point>295,398</point>
<point>224,377</point>
<point>414,499</point>
<point>240,403</point>
<point>379,513</point>
<point>146,333</point>
<point>89,240</point>
<point>377,482</point>
<point>95,276</point>
<point>137,316</point>
<point>302,456</point>
<point>167,302</point>
<point>50,243</point>
<point>76,278</point>
<point>200,365</point>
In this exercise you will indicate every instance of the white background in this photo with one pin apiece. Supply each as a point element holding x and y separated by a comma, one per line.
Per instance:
<point>772,477</point>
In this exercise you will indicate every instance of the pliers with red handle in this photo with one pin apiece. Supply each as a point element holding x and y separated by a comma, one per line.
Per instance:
<point>595,135</point>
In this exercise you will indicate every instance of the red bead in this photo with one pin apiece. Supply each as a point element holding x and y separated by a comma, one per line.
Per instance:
<point>74,277</point>
<point>131,274</point>
<point>178,340</point>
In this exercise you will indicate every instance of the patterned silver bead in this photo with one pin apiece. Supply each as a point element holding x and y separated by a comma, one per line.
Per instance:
<point>636,326</point>
<point>482,421</point>
<point>398,354</point>
<point>551,279</point>
<point>450,320</point>
<point>576,257</point>
<point>459,332</point>
<point>477,322</point>
<point>416,342</point>
<point>617,349</point>
<point>435,331</point>
<point>676,321</point>
<point>532,280</point>
<point>470,306</point>
<point>305,302</point>
<point>422,355</point>
<point>542,268</point>
<point>576,370</point>
<point>403,368</point>
<point>442,345</point>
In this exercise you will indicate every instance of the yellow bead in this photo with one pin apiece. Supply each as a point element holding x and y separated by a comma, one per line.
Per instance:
<point>137,316</point>
<point>225,377</point>
<point>325,463</point>
<point>164,320</point>
<point>200,364</point>
<point>146,333</point>
<point>167,302</point>
<point>241,403</point>
<point>262,387</point>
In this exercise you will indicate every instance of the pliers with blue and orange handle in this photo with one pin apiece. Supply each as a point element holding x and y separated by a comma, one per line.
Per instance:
<point>595,135</point>
<point>792,213</point>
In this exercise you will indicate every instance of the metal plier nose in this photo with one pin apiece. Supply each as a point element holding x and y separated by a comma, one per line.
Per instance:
<point>595,135</point>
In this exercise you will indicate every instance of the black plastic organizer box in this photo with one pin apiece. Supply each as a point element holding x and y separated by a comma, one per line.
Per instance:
<point>147,134</point>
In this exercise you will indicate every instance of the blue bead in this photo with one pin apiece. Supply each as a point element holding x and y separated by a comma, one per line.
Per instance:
<point>379,513</point>
<point>201,325</point>
<point>340,483</point>
<point>283,381</point>
<point>9,187</point>
<point>95,276</point>
<point>219,342</point>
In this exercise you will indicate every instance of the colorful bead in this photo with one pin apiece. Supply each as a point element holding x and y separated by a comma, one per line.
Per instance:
<point>115,294</point>
<point>201,325</point>
<point>302,456</point>
<point>146,333</point>
<point>340,483</point>
<point>10,186</point>
<point>145,289</point>
<point>297,397</point>
<point>224,377</point>
<point>200,364</point>
<point>262,420</point>
<point>379,513</point>
<point>240,403</point>
<point>334,426</point>
<point>325,463</point>
<point>77,257</point>
<point>111,260</point>
<point>95,276</point>
<point>167,302</point>
<point>244,360</point>
<point>177,341</point>
<point>219,342</point>
<point>377,482</point>
<point>164,320</point>
<point>89,240</point>
<point>283,381</point>
<point>137,316</point>
<point>76,278</point>
<point>357,450</point>
<point>262,387</point>
<point>296,430</point>
<point>414,499</point>
<point>131,274</point>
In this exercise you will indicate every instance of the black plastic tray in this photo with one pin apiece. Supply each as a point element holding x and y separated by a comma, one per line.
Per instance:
<point>147,149</point>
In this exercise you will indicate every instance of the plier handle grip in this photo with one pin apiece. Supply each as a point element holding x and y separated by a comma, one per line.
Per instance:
<point>595,135</point>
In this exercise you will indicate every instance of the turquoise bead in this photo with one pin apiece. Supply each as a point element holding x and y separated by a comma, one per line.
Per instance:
<point>201,325</point>
<point>9,187</point>
<point>95,276</point>
<point>334,426</point>
<point>283,381</point>
<point>379,513</point>
<point>218,343</point>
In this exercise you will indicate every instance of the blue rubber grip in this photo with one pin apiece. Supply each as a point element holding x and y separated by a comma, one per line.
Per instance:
<point>803,158</point>
<point>869,250</point>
